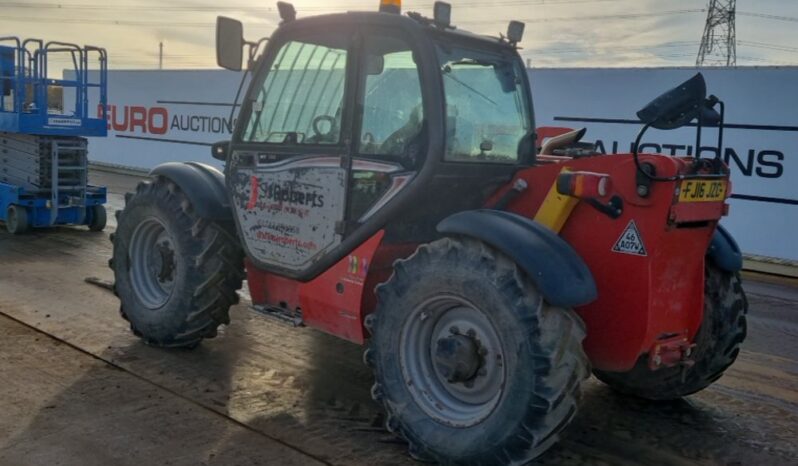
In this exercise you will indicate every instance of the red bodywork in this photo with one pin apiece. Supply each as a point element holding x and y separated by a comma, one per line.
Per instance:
<point>646,300</point>
<point>647,304</point>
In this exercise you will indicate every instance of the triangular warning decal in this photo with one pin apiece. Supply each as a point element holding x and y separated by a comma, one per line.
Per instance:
<point>630,242</point>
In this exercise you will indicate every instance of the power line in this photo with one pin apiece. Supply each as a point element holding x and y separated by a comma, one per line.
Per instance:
<point>210,24</point>
<point>762,45</point>
<point>202,60</point>
<point>590,17</point>
<point>110,22</point>
<point>588,48</point>
<point>218,8</point>
<point>250,8</point>
<point>664,56</point>
<point>792,19</point>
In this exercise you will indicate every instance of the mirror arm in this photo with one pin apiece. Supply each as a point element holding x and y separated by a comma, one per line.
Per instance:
<point>235,100</point>
<point>645,173</point>
<point>699,126</point>
<point>720,127</point>
<point>636,150</point>
<point>636,158</point>
<point>252,50</point>
<point>710,103</point>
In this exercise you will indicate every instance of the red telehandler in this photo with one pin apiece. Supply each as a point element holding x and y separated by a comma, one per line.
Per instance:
<point>386,183</point>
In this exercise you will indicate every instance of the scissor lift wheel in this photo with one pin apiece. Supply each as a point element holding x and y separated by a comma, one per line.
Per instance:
<point>17,220</point>
<point>98,218</point>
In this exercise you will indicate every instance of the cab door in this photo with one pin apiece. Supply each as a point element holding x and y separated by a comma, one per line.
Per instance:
<point>390,128</point>
<point>287,172</point>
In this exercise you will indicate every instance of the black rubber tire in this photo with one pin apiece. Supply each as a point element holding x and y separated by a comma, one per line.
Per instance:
<point>544,358</point>
<point>209,268</point>
<point>718,341</point>
<point>98,218</point>
<point>17,221</point>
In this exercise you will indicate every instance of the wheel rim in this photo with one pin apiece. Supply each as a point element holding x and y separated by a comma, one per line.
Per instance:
<point>452,361</point>
<point>153,265</point>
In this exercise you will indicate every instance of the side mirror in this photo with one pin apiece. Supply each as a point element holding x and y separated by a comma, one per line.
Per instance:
<point>375,65</point>
<point>677,107</point>
<point>442,14</point>
<point>515,32</point>
<point>287,11</point>
<point>220,149</point>
<point>229,43</point>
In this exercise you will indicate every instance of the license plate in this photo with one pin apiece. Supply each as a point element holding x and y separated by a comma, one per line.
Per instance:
<point>702,191</point>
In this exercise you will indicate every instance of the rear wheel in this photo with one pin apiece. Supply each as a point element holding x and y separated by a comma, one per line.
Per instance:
<point>718,341</point>
<point>17,220</point>
<point>176,273</point>
<point>471,364</point>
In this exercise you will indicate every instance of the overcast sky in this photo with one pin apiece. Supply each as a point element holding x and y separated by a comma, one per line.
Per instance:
<point>559,33</point>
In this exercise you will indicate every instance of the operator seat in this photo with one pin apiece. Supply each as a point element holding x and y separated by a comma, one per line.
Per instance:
<point>397,143</point>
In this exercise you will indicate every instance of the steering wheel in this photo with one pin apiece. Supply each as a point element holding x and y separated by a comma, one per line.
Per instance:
<point>320,135</point>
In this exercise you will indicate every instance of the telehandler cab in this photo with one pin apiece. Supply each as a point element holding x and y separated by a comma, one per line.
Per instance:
<point>385,183</point>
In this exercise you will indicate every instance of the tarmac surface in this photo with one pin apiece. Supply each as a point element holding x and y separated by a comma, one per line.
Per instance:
<point>77,388</point>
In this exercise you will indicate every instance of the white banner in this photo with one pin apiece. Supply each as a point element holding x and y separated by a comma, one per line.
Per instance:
<point>160,116</point>
<point>164,116</point>
<point>760,140</point>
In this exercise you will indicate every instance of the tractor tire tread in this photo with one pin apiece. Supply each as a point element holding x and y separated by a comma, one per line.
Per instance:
<point>220,262</point>
<point>553,400</point>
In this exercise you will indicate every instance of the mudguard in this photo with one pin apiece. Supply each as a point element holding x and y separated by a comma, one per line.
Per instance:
<point>724,252</point>
<point>551,263</point>
<point>204,186</point>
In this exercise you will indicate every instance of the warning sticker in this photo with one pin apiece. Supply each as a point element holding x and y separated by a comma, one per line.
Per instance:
<point>630,242</point>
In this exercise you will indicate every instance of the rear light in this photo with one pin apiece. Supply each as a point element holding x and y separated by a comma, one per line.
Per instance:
<point>584,185</point>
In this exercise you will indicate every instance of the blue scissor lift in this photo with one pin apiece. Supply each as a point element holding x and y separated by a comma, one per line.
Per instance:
<point>43,125</point>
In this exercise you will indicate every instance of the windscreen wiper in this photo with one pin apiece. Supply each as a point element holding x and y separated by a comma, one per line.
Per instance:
<point>447,69</point>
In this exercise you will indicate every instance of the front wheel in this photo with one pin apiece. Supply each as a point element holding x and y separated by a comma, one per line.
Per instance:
<point>717,342</point>
<point>176,273</point>
<point>471,364</point>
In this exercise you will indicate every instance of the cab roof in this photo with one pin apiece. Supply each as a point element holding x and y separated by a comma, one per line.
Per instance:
<point>411,21</point>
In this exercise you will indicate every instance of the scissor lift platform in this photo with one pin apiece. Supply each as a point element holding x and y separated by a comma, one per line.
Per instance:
<point>43,126</point>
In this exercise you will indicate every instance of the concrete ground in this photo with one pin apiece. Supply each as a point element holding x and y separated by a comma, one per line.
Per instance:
<point>76,388</point>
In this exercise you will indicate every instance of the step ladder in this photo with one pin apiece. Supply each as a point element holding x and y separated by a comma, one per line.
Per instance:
<point>68,176</point>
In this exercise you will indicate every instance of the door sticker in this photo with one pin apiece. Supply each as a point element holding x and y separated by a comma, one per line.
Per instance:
<point>631,241</point>
<point>288,211</point>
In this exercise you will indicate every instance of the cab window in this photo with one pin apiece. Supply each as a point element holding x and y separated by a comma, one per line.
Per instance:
<point>393,115</point>
<point>487,111</point>
<point>301,98</point>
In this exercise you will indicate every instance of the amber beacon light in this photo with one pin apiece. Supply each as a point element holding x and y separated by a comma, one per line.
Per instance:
<point>391,6</point>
